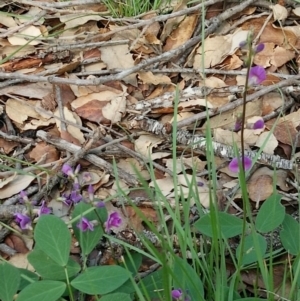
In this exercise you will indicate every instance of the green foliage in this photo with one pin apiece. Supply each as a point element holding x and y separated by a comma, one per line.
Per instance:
<point>9,281</point>
<point>290,235</point>
<point>187,279</point>
<point>89,239</point>
<point>100,280</point>
<point>54,238</point>
<point>46,290</point>
<point>271,214</point>
<point>230,225</point>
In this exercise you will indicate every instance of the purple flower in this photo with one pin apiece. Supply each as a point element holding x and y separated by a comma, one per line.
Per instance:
<point>243,44</point>
<point>176,294</point>
<point>260,47</point>
<point>234,164</point>
<point>85,225</point>
<point>44,209</point>
<point>99,204</point>
<point>23,197</point>
<point>259,124</point>
<point>22,220</point>
<point>67,170</point>
<point>257,75</point>
<point>114,220</point>
<point>91,192</point>
<point>75,196</point>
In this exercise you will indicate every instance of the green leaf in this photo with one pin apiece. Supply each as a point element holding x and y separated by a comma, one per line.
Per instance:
<point>132,262</point>
<point>153,285</point>
<point>251,299</point>
<point>270,215</point>
<point>187,279</point>
<point>127,287</point>
<point>88,239</point>
<point>100,280</point>
<point>9,281</point>
<point>53,237</point>
<point>46,290</point>
<point>116,297</point>
<point>230,225</point>
<point>250,254</point>
<point>290,235</point>
<point>49,269</point>
<point>27,277</point>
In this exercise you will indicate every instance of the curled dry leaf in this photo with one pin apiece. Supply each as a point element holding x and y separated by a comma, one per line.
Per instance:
<point>267,142</point>
<point>26,36</point>
<point>280,13</point>
<point>260,187</point>
<point>145,143</point>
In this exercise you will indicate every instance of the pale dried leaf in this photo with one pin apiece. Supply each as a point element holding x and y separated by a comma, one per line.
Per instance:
<point>145,143</point>
<point>268,145</point>
<point>280,13</point>
<point>157,79</point>
<point>20,261</point>
<point>72,130</point>
<point>114,110</point>
<point>260,187</point>
<point>118,56</point>
<point>20,182</point>
<point>26,35</point>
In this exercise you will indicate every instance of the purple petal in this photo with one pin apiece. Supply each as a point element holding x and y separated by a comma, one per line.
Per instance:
<point>234,164</point>
<point>114,220</point>
<point>85,225</point>
<point>77,169</point>
<point>257,75</point>
<point>177,293</point>
<point>67,170</point>
<point>75,197</point>
<point>260,47</point>
<point>259,124</point>
<point>91,192</point>
<point>44,209</point>
<point>24,221</point>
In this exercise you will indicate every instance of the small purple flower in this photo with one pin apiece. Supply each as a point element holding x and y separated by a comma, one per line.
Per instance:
<point>22,220</point>
<point>234,164</point>
<point>99,204</point>
<point>114,220</point>
<point>243,44</point>
<point>77,170</point>
<point>259,124</point>
<point>75,196</point>
<point>44,209</point>
<point>200,184</point>
<point>176,294</point>
<point>85,225</point>
<point>257,75</point>
<point>91,192</point>
<point>67,170</point>
<point>260,47</point>
<point>23,197</point>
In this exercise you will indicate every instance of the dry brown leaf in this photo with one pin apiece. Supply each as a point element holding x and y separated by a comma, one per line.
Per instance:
<point>173,23</point>
<point>115,109</point>
<point>182,33</point>
<point>145,143</point>
<point>73,131</point>
<point>217,48</point>
<point>26,35</point>
<point>280,13</point>
<point>74,20</point>
<point>41,149</point>
<point>15,185</point>
<point>285,132</point>
<point>267,142</point>
<point>119,56</point>
<point>92,111</point>
<point>157,79</point>
<point>260,187</point>
<point>134,167</point>
<point>271,102</point>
